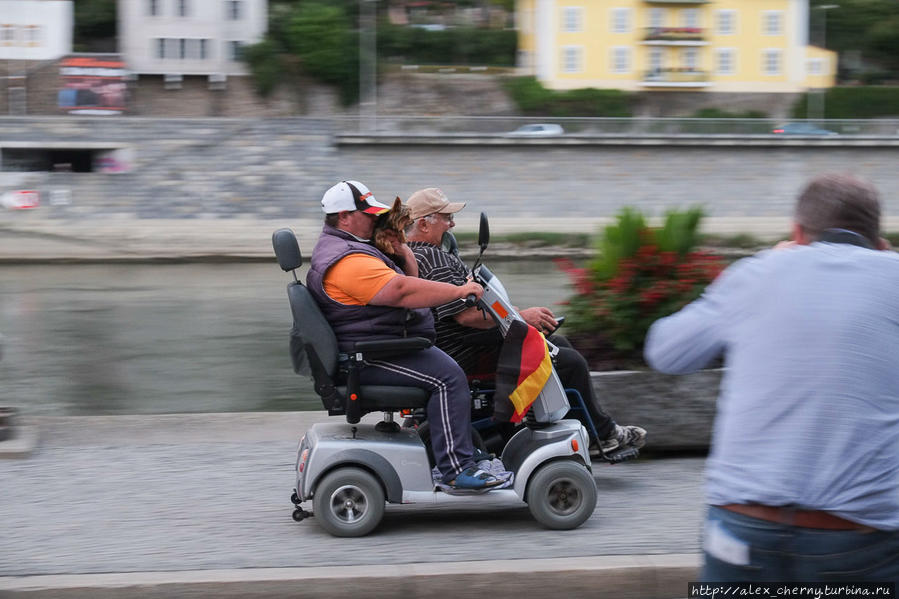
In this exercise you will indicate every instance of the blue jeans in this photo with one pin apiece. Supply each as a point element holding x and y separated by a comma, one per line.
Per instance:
<point>741,548</point>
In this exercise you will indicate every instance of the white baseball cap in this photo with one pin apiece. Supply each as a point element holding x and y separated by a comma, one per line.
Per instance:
<point>351,196</point>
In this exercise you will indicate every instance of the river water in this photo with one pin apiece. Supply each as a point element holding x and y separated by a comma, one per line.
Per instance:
<point>155,339</point>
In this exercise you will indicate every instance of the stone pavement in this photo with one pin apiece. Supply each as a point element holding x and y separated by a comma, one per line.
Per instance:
<point>175,505</point>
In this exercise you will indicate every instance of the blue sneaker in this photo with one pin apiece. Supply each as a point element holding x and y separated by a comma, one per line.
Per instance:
<point>474,478</point>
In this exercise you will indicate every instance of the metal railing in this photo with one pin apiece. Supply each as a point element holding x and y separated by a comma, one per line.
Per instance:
<point>587,127</point>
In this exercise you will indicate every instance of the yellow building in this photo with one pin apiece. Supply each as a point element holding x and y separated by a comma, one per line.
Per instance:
<point>697,45</point>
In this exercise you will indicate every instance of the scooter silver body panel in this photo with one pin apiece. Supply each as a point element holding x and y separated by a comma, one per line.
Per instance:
<point>399,459</point>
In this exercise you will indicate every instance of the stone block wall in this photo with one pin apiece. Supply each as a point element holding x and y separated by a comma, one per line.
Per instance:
<point>274,168</point>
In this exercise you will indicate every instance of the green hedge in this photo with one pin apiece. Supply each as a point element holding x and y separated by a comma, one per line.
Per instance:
<point>535,100</point>
<point>458,45</point>
<point>854,103</point>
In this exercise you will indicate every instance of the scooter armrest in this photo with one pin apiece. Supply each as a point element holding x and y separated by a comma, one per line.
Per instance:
<point>391,347</point>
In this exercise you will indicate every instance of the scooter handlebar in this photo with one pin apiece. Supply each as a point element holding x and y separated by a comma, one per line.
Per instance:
<point>471,299</point>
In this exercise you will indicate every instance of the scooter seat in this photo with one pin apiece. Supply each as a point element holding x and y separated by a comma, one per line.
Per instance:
<point>388,398</point>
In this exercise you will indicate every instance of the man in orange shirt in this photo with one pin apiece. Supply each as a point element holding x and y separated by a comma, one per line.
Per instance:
<point>366,296</point>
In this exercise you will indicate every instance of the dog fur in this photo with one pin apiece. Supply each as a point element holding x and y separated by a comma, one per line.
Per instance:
<point>394,221</point>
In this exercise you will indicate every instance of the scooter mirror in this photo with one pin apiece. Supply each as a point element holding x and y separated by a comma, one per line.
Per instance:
<point>484,232</point>
<point>449,244</point>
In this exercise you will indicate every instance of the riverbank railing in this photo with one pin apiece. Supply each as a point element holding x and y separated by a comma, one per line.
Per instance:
<point>587,127</point>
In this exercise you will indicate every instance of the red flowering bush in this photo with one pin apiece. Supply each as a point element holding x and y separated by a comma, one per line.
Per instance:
<point>640,275</point>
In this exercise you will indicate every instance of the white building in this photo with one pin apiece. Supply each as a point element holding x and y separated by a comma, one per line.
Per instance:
<point>35,29</point>
<point>189,37</point>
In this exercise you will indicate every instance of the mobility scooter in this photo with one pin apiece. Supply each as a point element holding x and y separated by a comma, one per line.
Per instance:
<point>348,469</point>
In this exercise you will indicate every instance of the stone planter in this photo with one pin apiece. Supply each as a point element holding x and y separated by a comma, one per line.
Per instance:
<point>7,423</point>
<point>676,411</point>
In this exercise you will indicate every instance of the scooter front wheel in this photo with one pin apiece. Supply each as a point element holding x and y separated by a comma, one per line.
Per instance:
<point>561,495</point>
<point>348,502</point>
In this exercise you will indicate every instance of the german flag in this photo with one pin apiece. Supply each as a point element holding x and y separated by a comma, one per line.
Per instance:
<point>523,368</point>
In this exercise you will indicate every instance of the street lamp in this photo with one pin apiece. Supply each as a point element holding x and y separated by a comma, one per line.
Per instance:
<point>815,98</point>
<point>368,64</point>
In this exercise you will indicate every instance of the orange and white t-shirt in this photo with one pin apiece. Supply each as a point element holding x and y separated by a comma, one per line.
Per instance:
<point>357,278</point>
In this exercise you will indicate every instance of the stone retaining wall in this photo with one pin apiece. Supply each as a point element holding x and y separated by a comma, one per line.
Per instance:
<point>278,168</point>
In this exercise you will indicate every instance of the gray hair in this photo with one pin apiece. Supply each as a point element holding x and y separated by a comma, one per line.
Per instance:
<point>839,201</point>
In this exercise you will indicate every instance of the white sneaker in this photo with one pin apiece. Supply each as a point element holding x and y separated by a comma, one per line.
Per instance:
<point>623,437</point>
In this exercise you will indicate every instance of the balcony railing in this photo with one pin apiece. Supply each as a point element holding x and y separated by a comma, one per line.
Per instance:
<point>675,34</point>
<point>676,76</point>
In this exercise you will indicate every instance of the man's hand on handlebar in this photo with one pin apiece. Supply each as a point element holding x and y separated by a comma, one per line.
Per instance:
<point>471,288</point>
<point>540,318</point>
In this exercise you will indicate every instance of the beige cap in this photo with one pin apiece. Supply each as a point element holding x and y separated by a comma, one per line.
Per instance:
<point>431,201</point>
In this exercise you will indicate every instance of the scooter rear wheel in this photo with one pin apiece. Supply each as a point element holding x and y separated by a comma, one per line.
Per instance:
<point>561,495</point>
<point>348,502</point>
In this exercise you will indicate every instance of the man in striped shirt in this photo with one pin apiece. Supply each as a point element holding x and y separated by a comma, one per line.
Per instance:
<point>457,324</point>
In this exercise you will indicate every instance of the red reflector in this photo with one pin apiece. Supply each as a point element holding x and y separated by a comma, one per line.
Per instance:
<point>574,444</point>
<point>500,311</point>
<point>778,130</point>
<point>353,396</point>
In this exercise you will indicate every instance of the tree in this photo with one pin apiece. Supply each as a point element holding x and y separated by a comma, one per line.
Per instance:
<point>868,26</point>
<point>321,36</point>
<point>95,20</point>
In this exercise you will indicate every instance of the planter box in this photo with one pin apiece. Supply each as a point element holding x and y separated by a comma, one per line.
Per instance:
<point>676,411</point>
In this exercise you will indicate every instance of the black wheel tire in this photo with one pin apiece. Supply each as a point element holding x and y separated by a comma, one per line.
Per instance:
<point>348,502</point>
<point>561,495</point>
<point>294,499</point>
<point>424,433</point>
<point>298,515</point>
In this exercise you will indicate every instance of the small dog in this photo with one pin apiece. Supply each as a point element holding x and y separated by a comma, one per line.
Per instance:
<point>391,227</point>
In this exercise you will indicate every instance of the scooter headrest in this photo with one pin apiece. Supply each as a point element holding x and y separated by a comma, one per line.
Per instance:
<point>287,250</point>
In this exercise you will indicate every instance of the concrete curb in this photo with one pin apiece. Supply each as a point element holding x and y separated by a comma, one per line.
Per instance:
<point>623,577</point>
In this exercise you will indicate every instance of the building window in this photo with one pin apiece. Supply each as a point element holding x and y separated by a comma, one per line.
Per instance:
<point>153,8</point>
<point>656,17</point>
<point>183,8</point>
<point>621,20</point>
<point>204,44</point>
<point>572,59</point>
<point>690,17</point>
<point>7,34</point>
<point>160,47</point>
<point>772,22</point>
<point>725,63</point>
<point>32,35</point>
<point>815,66</point>
<point>727,22</point>
<point>573,19</point>
<point>771,61</point>
<point>690,58</point>
<point>656,60</point>
<point>233,9</point>
<point>621,59</point>
<point>235,51</point>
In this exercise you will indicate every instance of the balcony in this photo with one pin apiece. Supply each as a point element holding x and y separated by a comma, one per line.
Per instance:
<point>675,77</point>
<point>675,36</point>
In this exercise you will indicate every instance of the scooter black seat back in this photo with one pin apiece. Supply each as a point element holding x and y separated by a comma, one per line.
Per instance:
<point>314,351</point>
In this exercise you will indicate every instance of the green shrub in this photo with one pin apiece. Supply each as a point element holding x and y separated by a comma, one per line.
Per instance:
<point>458,45</point>
<point>854,103</point>
<point>639,275</point>
<point>265,64</point>
<point>717,113</point>
<point>535,100</point>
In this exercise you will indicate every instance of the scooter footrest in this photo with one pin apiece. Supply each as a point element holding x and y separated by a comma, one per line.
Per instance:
<point>623,455</point>
<point>452,491</point>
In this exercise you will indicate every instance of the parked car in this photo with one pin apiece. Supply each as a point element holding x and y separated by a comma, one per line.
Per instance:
<point>538,130</point>
<point>802,129</point>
